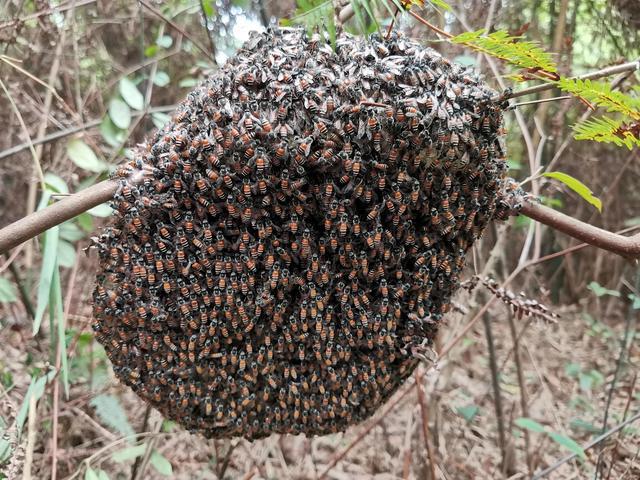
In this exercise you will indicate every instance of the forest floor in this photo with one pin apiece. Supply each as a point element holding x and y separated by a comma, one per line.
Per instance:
<point>567,369</point>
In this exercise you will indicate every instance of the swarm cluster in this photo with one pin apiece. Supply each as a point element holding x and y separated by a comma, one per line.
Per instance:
<point>301,227</point>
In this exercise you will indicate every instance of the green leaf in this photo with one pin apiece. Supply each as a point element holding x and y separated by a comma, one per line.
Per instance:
<point>102,210</point>
<point>161,464</point>
<point>442,4</point>
<point>85,221</point>
<point>586,382</point>
<point>577,186</point>
<point>569,444</point>
<point>35,390</point>
<point>600,291</point>
<point>603,95</point>
<point>529,424</point>
<point>5,450</point>
<point>66,254</point>
<point>572,369</point>
<point>579,424</point>
<point>51,238</point>
<point>83,156</point>
<point>120,113</point>
<point>70,232</point>
<point>161,79</point>
<point>56,311</point>
<point>55,183</point>
<point>606,130</point>
<point>111,413</point>
<point>111,134</point>
<point>160,119</point>
<point>164,41</point>
<point>636,301</point>
<point>469,412</point>
<point>8,292</point>
<point>188,82</point>
<point>129,453</point>
<point>90,474</point>
<point>209,9</point>
<point>102,475</point>
<point>500,44</point>
<point>151,50</point>
<point>131,94</point>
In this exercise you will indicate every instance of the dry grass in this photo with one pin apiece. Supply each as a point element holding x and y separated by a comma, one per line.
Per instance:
<point>395,447</point>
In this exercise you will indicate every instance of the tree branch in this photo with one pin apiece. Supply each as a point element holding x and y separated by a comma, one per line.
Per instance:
<point>40,221</point>
<point>626,246</point>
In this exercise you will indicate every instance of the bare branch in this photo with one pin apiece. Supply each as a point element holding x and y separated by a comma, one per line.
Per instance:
<point>605,72</point>
<point>626,246</point>
<point>40,221</point>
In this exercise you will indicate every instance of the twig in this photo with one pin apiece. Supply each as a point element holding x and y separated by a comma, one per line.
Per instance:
<point>370,425</point>
<point>145,425</point>
<point>497,395</point>
<point>148,450</point>
<point>173,25</point>
<point>206,27</point>
<point>624,346</point>
<point>604,72</point>
<point>438,30</point>
<point>542,100</point>
<point>72,130</point>
<point>393,21</point>
<point>48,11</point>
<point>71,206</point>
<point>406,456</point>
<point>31,438</point>
<point>425,423</point>
<point>227,458</point>
<point>621,245</point>
<point>586,447</point>
<point>24,294</point>
<point>523,388</point>
<point>56,380</point>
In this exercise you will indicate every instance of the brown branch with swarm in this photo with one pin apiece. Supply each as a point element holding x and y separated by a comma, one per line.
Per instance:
<point>73,205</point>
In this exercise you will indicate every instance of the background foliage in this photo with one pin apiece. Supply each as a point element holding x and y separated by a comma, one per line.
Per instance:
<point>82,81</point>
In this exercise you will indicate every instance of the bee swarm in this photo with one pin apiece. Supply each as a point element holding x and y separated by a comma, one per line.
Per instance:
<point>302,225</point>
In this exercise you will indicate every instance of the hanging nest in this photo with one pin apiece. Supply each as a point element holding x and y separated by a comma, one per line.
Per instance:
<point>301,228</point>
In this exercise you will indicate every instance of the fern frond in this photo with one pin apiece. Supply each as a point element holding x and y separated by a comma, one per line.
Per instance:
<point>608,130</point>
<point>601,94</point>
<point>521,53</point>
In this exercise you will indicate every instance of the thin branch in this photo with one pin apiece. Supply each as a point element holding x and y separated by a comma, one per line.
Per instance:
<point>173,25</point>
<point>588,446</point>
<point>605,72</point>
<point>625,344</point>
<point>206,27</point>
<point>626,246</point>
<point>523,387</point>
<point>424,409</point>
<point>497,394</point>
<point>40,221</point>
<point>24,294</point>
<point>75,129</point>
<point>372,423</point>
<point>48,11</point>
